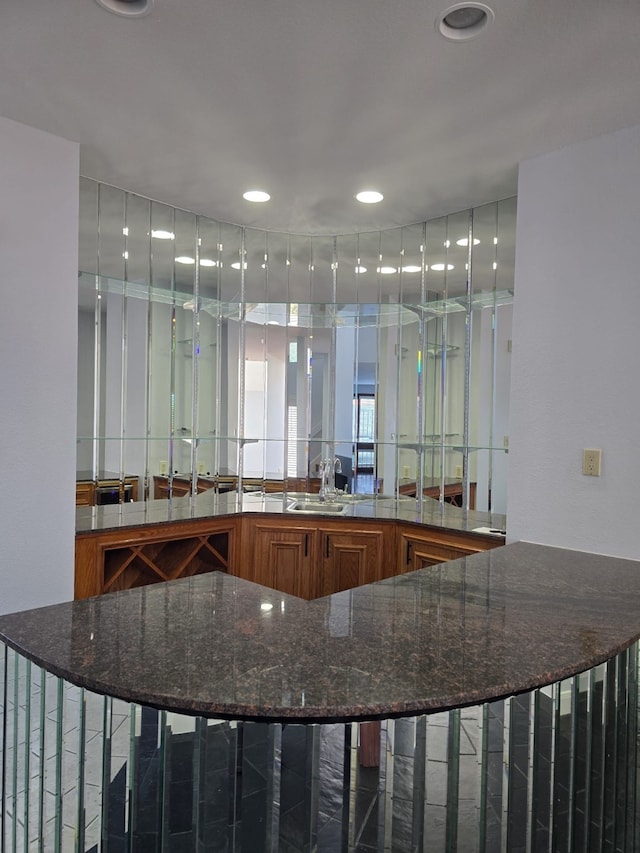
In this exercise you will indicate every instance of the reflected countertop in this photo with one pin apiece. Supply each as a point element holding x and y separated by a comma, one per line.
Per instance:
<point>474,629</point>
<point>425,511</point>
<point>88,476</point>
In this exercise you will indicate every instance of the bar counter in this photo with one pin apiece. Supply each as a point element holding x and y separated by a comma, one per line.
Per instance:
<point>212,504</point>
<point>460,633</point>
<point>488,703</point>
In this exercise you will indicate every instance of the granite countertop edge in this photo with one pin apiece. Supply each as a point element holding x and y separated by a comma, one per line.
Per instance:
<point>466,632</point>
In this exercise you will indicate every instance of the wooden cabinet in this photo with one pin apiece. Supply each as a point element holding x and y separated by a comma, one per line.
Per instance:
<point>106,490</point>
<point>313,558</point>
<point>308,557</point>
<point>181,486</point>
<point>451,494</point>
<point>126,559</point>
<point>421,546</point>
<point>85,493</point>
<point>279,555</point>
<point>350,556</point>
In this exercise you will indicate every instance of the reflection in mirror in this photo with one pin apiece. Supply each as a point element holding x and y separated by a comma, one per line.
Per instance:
<point>213,356</point>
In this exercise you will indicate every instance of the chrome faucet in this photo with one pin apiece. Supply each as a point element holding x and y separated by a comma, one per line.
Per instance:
<point>323,479</point>
<point>336,468</point>
<point>328,470</point>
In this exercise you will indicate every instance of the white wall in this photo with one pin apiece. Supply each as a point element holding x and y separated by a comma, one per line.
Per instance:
<point>576,348</point>
<point>38,346</point>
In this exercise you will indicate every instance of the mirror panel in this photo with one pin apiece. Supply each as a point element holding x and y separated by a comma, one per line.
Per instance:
<point>216,356</point>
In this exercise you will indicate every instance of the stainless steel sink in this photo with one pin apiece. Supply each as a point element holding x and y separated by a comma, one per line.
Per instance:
<point>316,507</point>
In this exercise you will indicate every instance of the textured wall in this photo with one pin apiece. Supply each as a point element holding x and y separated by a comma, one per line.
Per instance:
<point>38,346</point>
<point>576,348</point>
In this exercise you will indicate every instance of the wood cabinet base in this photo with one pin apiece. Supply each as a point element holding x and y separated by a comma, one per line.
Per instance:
<point>307,558</point>
<point>118,560</point>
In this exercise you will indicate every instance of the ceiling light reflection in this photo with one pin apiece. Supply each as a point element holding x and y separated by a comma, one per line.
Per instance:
<point>257,196</point>
<point>369,196</point>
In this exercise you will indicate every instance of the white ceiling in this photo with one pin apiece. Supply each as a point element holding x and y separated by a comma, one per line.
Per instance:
<point>313,101</point>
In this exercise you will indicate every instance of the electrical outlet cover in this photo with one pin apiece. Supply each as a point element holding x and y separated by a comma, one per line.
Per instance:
<point>591,459</point>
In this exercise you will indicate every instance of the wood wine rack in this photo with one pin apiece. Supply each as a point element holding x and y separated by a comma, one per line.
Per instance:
<point>139,565</point>
<point>110,562</point>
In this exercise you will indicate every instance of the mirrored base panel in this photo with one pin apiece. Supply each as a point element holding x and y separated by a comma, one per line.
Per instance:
<point>555,769</point>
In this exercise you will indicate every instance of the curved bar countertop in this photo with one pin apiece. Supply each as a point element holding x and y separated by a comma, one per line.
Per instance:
<point>464,632</point>
<point>209,504</point>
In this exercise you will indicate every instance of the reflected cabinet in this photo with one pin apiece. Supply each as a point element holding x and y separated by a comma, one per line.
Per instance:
<point>215,356</point>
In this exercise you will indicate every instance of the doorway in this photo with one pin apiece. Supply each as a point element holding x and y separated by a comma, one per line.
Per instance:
<point>364,433</point>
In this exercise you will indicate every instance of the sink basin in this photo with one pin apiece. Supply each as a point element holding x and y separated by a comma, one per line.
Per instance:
<point>316,506</point>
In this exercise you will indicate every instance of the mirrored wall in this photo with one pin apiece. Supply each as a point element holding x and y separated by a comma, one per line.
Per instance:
<point>218,356</point>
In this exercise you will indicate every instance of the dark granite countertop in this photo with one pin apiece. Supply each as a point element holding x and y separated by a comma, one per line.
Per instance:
<point>425,511</point>
<point>500,622</point>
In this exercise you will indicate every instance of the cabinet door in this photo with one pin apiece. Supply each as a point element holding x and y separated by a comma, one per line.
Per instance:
<point>179,489</point>
<point>350,558</point>
<point>85,494</point>
<point>282,559</point>
<point>417,550</point>
<point>419,553</point>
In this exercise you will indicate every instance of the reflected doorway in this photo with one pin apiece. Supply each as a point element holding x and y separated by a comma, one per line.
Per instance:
<point>364,432</point>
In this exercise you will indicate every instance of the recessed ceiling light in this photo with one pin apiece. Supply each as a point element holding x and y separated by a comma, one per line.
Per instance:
<point>185,259</point>
<point>159,234</point>
<point>464,241</point>
<point>464,21</point>
<point>440,267</point>
<point>386,270</point>
<point>127,8</point>
<point>257,196</point>
<point>236,265</point>
<point>411,268</point>
<point>360,269</point>
<point>207,262</point>
<point>369,196</point>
